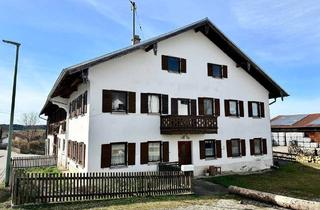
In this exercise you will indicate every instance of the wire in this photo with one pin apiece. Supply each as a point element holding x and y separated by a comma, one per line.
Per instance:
<point>139,23</point>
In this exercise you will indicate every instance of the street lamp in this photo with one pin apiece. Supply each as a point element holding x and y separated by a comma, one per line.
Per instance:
<point>8,165</point>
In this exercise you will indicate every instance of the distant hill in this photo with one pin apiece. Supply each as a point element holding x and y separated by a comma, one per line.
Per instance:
<point>17,127</point>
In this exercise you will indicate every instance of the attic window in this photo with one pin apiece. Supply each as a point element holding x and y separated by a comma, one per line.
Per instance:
<point>173,64</point>
<point>217,71</point>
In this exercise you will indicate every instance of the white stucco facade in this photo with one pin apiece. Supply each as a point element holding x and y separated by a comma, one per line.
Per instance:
<point>141,72</point>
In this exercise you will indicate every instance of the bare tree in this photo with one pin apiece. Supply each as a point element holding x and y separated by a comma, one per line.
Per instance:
<point>30,120</point>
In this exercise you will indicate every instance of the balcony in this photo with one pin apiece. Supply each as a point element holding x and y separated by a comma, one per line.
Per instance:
<point>174,124</point>
<point>54,128</point>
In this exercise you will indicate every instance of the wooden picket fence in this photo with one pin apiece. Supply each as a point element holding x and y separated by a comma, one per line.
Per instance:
<point>53,188</point>
<point>33,161</point>
<point>284,156</point>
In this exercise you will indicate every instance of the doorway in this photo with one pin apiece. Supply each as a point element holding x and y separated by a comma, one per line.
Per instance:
<point>184,152</point>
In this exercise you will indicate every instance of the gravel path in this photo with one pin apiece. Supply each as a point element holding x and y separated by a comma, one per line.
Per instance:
<point>229,204</point>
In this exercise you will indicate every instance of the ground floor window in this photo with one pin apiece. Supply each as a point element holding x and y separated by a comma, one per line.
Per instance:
<point>209,148</point>
<point>118,154</point>
<point>257,146</point>
<point>154,151</point>
<point>235,145</point>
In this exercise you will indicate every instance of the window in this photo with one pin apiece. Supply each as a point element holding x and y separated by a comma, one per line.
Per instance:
<point>154,151</point>
<point>233,108</point>
<point>256,109</point>
<point>78,106</point>
<point>208,106</point>
<point>217,71</point>
<point>235,145</point>
<point>63,145</point>
<point>209,148</point>
<point>257,146</point>
<point>154,103</point>
<point>119,101</point>
<point>183,107</point>
<point>174,64</point>
<point>118,154</point>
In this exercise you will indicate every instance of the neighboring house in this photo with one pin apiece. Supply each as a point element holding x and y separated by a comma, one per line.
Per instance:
<point>302,130</point>
<point>188,96</point>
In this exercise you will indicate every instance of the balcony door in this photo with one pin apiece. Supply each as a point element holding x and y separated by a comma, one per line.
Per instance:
<point>184,152</point>
<point>183,107</point>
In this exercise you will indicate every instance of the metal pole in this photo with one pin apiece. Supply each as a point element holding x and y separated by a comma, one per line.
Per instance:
<point>8,165</point>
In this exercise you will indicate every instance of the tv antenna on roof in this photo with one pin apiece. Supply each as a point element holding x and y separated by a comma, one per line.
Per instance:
<point>135,38</point>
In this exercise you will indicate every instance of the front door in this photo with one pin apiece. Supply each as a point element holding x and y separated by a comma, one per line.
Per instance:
<point>184,152</point>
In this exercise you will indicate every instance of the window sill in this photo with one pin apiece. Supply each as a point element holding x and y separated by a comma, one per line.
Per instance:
<point>118,166</point>
<point>255,117</point>
<point>154,114</point>
<point>116,112</point>
<point>211,158</point>
<point>154,163</point>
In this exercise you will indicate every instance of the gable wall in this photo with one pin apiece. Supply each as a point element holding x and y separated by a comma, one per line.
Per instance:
<point>141,71</point>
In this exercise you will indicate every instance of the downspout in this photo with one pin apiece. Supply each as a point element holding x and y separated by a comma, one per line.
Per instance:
<point>275,99</point>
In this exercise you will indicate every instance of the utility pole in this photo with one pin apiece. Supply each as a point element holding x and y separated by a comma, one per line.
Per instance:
<point>133,8</point>
<point>8,165</point>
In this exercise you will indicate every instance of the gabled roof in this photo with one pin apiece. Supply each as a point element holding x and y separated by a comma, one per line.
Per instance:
<point>204,26</point>
<point>295,122</point>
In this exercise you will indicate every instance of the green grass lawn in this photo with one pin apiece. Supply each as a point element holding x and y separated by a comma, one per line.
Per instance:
<point>293,179</point>
<point>43,170</point>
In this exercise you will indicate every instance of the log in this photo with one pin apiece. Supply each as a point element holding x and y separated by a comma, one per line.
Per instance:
<point>283,201</point>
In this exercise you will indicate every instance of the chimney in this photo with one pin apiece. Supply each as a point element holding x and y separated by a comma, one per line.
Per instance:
<point>135,40</point>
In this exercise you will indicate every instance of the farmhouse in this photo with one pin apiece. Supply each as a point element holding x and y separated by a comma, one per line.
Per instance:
<point>189,96</point>
<point>301,129</point>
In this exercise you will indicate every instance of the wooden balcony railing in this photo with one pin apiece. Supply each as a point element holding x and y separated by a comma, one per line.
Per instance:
<point>175,124</point>
<point>54,128</point>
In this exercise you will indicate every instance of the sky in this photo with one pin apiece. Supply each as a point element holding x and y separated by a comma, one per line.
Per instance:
<point>282,37</point>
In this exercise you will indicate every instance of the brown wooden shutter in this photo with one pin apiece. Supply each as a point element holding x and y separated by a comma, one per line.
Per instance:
<point>164,104</point>
<point>193,103</point>
<point>243,147</point>
<point>252,152</point>
<point>183,65</point>
<point>227,107</point>
<point>217,107</point>
<point>131,153</point>
<point>83,155</point>
<point>164,61</point>
<point>241,110</point>
<point>144,153</point>
<point>132,102</point>
<point>262,114</point>
<point>105,155</point>
<point>69,148</point>
<point>144,103</point>
<point>165,151</point>
<point>229,148</point>
<point>202,150</point>
<point>174,106</point>
<point>85,102</point>
<point>218,149</point>
<point>201,106</point>
<point>225,71</point>
<point>106,101</point>
<point>210,71</point>
<point>249,108</point>
<point>264,146</point>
